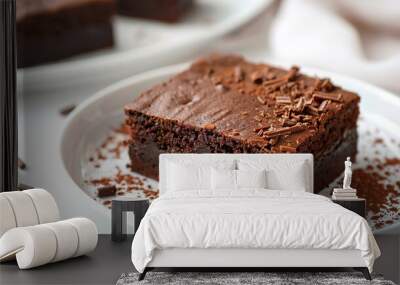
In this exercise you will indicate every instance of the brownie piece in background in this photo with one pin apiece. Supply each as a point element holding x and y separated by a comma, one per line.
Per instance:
<point>169,11</point>
<point>225,104</point>
<point>50,30</point>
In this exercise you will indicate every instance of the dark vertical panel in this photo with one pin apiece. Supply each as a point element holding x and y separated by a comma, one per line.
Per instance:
<point>8,98</point>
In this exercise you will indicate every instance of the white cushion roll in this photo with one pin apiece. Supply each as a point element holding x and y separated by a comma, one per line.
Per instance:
<point>7,218</point>
<point>67,239</point>
<point>46,206</point>
<point>23,207</point>
<point>40,244</point>
<point>87,234</point>
<point>33,246</point>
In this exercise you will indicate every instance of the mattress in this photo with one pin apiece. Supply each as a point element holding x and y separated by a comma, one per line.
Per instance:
<point>251,219</point>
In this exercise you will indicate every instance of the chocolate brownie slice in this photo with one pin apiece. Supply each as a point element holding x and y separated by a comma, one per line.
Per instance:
<point>49,30</point>
<point>169,11</point>
<point>225,104</point>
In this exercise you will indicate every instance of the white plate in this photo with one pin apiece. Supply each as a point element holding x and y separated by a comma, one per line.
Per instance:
<point>143,45</point>
<point>94,120</point>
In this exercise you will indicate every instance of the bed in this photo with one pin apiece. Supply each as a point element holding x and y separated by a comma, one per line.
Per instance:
<point>267,217</point>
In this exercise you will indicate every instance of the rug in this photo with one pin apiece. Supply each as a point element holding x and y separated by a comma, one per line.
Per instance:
<point>268,278</point>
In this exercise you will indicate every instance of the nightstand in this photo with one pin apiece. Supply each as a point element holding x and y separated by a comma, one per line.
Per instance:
<point>119,207</point>
<point>355,205</point>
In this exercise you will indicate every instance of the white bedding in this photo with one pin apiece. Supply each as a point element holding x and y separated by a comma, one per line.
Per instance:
<point>250,219</point>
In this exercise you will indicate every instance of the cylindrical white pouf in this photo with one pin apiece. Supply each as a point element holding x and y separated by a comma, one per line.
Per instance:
<point>87,234</point>
<point>7,218</point>
<point>23,208</point>
<point>40,244</point>
<point>34,245</point>
<point>67,239</point>
<point>46,206</point>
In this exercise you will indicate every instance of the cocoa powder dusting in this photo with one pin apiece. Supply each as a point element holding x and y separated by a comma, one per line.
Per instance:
<point>381,196</point>
<point>391,161</point>
<point>122,182</point>
<point>369,185</point>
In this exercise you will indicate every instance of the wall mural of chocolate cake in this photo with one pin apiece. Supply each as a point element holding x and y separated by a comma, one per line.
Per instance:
<point>104,87</point>
<point>225,104</point>
<point>228,104</point>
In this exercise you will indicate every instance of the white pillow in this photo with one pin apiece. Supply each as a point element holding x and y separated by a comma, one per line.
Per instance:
<point>223,179</point>
<point>281,175</point>
<point>188,177</point>
<point>226,179</point>
<point>293,178</point>
<point>251,178</point>
<point>191,174</point>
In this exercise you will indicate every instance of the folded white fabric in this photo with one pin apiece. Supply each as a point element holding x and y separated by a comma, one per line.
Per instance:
<point>356,37</point>
<point>40,244</point>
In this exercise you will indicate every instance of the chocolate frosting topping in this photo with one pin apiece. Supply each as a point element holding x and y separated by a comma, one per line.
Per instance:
<point>256,103</point>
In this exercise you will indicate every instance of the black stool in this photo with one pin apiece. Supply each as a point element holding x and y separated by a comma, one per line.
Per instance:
<point>119,207</point>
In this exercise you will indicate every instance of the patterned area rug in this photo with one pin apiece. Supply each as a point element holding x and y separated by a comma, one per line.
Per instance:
<point>230,278</point>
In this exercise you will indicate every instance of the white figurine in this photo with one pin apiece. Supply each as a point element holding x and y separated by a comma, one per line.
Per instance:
<point>345,193</point>
<point>347,174</point>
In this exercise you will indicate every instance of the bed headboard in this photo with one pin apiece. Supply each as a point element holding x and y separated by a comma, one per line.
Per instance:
<point>208,158</point>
